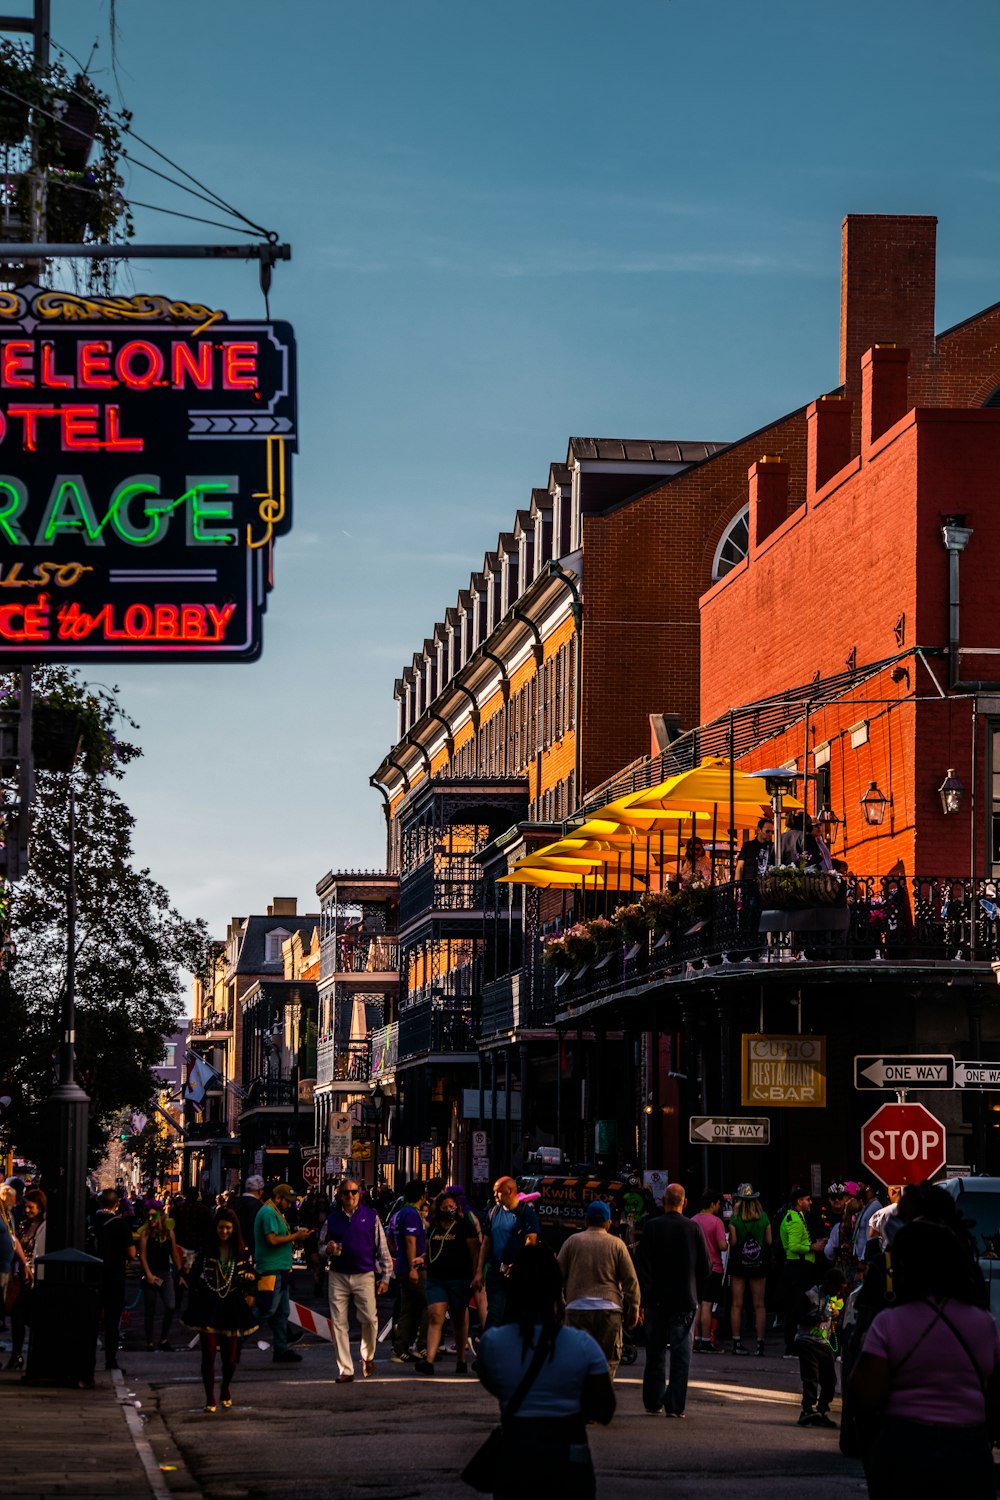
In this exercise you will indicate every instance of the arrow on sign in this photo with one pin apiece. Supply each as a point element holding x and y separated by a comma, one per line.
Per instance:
<point>977,1075</point>
<point>729,1130</point>
<point>931,1072</point>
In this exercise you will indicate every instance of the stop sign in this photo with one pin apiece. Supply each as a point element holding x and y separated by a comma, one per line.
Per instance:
<point>310,1171</point>
<point>903,1143</point>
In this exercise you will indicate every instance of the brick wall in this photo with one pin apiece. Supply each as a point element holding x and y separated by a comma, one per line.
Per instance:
<point>645,566</point>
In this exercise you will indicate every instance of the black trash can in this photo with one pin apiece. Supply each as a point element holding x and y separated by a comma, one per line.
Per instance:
<point>65,1310</point>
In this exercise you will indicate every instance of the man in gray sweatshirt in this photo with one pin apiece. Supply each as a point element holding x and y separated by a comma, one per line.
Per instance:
<point>602,1289</point>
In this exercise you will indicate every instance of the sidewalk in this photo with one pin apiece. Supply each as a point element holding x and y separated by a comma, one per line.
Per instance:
<point>87,1444</point>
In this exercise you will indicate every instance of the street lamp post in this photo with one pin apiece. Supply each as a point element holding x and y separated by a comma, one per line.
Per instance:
<point>68,1104</point>
<point>378,1111</point>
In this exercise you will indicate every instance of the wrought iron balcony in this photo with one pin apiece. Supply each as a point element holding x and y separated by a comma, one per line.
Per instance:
<point>899,920</point>
<point>338,1061</point>
<point>267,1092</point>
<point>450,885</point>
<point>367,953</point>
<point>383,1048</point>
<point>436,1026</point>
<point>502,1004</point>
<point>212,1023</point>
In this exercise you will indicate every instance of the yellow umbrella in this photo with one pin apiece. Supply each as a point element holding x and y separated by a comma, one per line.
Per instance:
<point>705,789</point>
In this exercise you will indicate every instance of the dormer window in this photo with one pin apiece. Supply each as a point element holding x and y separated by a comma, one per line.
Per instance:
<point>272,944</point>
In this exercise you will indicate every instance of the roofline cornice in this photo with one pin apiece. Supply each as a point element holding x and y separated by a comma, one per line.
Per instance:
<point>518,628</point>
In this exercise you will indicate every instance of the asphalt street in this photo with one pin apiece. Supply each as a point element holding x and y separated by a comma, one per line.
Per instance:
<point>293,1432</point>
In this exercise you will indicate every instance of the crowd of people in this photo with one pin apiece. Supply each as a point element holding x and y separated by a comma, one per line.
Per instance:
<point>887,1285</point>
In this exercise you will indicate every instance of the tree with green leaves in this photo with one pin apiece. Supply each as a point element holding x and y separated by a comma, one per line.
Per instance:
<point>132,948</point>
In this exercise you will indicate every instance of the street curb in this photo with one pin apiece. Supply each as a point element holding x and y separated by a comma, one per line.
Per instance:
<point>163,1463</point>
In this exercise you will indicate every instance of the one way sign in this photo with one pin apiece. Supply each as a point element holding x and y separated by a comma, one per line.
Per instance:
<point>729,1130</point>
<point>930,1071</point>
<point>977,1075</point>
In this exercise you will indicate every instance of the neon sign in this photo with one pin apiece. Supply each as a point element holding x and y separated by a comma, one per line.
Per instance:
<point>145,454</point>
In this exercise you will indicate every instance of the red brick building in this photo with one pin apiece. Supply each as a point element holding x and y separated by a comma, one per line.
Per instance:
<point>856,643</point>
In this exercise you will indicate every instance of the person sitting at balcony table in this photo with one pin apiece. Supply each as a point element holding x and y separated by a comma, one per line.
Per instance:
<point>696,867</point>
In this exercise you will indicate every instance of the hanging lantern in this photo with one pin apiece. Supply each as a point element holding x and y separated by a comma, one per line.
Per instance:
<point>873,805</point>
<point>951,791</point>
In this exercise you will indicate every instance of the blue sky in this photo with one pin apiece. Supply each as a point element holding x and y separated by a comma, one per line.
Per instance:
<point>509,225</point>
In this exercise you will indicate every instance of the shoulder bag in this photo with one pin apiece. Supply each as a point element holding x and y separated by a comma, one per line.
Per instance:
<point>491,1464</point>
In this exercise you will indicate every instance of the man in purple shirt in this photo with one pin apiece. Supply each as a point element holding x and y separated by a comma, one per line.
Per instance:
<point>359,1263</point>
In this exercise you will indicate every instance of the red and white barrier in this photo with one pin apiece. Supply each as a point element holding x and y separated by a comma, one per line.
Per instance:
<point>310,1322</point>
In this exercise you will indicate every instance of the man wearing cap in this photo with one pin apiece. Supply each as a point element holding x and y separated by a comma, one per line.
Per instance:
<point>274,1244</point>
<point>870,1205</point>
<point>601,1284</point>
<point>673,1267</point>
<point>247,1207</point>
<point>800,1262</point>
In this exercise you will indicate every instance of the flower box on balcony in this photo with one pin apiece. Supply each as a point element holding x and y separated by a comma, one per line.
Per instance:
<point>790,889</point>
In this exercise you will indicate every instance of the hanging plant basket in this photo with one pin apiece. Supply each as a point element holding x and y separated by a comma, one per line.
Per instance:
<point>13,118</point>
<point>67,210</point>
<point>75,132</point>
<point>56,737</point>
<point>795,890</point>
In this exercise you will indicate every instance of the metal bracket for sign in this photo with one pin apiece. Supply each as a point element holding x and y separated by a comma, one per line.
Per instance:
<point>267,251</point>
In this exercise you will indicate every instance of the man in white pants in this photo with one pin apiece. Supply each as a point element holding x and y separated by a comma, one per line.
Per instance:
<point>360,1265</point>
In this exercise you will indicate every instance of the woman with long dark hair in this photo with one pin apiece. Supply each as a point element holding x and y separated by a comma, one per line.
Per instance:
<point>32,1243</point>
<point>560,1375</point>
<point>220,1297</point>
<point>926,1366</point>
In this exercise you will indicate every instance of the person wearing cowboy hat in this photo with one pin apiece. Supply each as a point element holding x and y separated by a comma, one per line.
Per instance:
<point>749,1257</point>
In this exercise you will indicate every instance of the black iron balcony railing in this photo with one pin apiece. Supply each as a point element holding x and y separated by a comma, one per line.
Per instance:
<point>440,885</point>
<point>264,1092</point>
<point>367,953</point>
<point>338,1061</point>
<point>433,1025</point>
<point>383,1046</point>
<point>885,919</point>
<point>212,1021</point>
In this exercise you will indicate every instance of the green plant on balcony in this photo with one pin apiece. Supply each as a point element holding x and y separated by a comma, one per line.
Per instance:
<point>50,122</point>
<point>797,887</point>
<point>660,908</point>
<point>632,923</point>
<point>571,948</point>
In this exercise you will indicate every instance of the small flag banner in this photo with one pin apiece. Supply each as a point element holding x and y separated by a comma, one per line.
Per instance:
<point>310,1322</point>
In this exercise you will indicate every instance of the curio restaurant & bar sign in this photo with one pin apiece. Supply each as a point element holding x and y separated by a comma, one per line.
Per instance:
<point>145,472</point>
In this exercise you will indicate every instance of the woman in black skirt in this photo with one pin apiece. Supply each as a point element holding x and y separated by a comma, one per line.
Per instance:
<point>220,1303</point>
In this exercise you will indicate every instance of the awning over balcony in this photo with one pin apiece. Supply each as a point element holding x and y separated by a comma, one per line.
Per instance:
<point>628,844</point>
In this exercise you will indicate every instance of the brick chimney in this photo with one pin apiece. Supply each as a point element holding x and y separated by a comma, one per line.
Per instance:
<point>283,906</point>
<point>828,439</point>
<point>886,295</point>
<point>884,391</point>
<point>768,496</point>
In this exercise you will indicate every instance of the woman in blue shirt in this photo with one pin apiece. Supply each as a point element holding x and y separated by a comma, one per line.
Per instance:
<point>570,1388</point>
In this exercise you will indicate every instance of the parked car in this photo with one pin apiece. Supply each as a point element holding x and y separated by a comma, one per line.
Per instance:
<point>978,1199</point>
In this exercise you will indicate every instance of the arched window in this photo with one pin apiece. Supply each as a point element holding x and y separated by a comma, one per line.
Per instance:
<point>993,400</point>
<point>734,545</point>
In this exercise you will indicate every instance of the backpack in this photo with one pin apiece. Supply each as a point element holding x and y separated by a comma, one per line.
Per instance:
<point>750,1255</point>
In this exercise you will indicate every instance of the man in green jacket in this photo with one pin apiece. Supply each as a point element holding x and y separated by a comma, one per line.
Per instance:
<point>800,1259</point>
<point>274,1244</point>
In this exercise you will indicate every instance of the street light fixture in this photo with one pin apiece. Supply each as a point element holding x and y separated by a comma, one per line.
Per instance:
<point>778,780</point>
<point>951,791</point>
<point>873,805</point>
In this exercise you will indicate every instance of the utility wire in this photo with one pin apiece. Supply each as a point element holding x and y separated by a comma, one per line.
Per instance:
<point>212,198</point>
<point>196,218</point>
